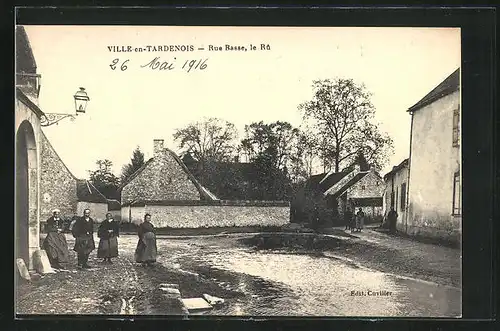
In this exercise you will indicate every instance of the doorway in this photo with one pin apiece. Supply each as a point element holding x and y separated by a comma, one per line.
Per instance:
<point>25,190</point>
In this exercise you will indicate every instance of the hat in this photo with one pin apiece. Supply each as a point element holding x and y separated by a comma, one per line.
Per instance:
<point>56,211</point>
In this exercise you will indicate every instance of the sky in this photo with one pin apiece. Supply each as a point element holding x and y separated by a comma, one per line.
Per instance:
<point>130,108</point>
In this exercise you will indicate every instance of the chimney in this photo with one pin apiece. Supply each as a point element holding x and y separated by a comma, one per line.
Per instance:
<point>157,147</point>
<point>372,168</point>
<point>357,168</point>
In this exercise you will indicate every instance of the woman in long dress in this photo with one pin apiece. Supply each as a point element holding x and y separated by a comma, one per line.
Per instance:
<point>108,233</point>
<point>360,220</point>
<point>55,243</point>
<point>145,253</point>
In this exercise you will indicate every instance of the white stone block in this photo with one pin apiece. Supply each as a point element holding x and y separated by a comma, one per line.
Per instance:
<point>169,285</point>
<point>23,270</point>
<point>170,291</point>
<point>196,304</point>
<point>41,262</point>
<point>214,301</point>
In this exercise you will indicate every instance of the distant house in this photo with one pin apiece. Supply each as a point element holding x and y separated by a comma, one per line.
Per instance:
<point>326,196</point>
<point>60,189</point>
<point>235,180</point>
<point>396,192</point>
<point>434,191</point>
<point>163,178</point>
<point>88,196</point>
<point>165,188</point>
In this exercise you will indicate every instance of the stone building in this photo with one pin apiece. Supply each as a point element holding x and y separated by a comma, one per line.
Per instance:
<point>396,192</point>
<point>434,187</point>
<point>164,177</point>
<point>27,150</point>
<point>165,188</point>
<point>62,190</point>
<point>327,195</point>
<point>361,188</point>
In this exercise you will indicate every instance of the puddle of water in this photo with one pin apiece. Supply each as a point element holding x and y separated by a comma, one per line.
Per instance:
<point>281,283</point>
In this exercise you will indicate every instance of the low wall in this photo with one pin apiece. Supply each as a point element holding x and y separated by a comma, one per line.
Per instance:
<point>220,214</point>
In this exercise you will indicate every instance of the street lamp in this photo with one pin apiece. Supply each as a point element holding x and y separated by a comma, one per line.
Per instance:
<point>81,99</point>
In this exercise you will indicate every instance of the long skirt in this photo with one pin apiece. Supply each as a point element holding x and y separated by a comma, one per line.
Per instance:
<point>56,247</point>
<point>359,222</point>
<point>107,248</point>
<point>84,244</point>
<point>146,248</point>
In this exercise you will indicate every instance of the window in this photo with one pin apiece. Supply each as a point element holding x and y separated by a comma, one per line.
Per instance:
<point>457,204</point>
<point>362,187</point>
<point>396,207</point>
<point>403,196</point>
<point>456,127</point>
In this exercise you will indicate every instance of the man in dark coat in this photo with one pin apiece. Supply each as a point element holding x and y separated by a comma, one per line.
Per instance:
<point>83,231</point>
<point>392,218</point>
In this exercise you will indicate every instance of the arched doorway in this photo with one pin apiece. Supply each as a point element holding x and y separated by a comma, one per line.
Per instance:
<point>26,190</point>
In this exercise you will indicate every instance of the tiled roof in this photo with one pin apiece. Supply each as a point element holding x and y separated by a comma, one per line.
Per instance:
<point>25,60</point>
<point>447,86</point>
<point>395,169</point>
<point>87,192</point>
<point>114,204</point>
<point>205,194</point>
<point>332,179</point>
<point>349,183</point>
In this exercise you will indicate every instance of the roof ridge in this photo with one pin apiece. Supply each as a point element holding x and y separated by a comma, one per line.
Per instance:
<point>199,187</point>
<point>135,174</point>
<point>445,87</point>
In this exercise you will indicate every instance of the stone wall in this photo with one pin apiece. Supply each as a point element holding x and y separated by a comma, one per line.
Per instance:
<point>57,183</point>
<point>433,162</point>
<point>197,216</point>
<point>163,178</point>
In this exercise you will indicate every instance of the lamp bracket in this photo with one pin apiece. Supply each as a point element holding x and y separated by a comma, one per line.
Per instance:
<point>53,118</point>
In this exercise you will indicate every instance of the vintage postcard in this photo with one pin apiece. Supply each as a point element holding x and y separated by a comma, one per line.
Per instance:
<point>238,171</point>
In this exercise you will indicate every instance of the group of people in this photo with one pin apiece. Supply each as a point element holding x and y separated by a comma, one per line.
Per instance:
<point>354,222</point>
<point>82,229</point>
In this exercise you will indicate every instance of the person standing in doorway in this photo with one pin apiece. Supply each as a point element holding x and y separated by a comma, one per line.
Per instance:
<point>108,244</point>
<point>83,231</point>
<point>360,220</point>
<point>145,252</point>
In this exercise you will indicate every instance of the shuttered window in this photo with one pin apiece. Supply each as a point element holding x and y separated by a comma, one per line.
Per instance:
<point>403,196</point>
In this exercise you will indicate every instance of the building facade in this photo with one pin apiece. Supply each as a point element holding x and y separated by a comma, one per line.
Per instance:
<point>27,151</point>
<point>325,197</point>
<point>396,193</point>
<point>434,191</point>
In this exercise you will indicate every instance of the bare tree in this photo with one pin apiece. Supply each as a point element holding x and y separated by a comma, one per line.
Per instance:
<point>343,114</point>
<point>211,139</point>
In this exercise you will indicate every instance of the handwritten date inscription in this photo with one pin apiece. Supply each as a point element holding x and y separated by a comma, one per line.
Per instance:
<point>157,64</point>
